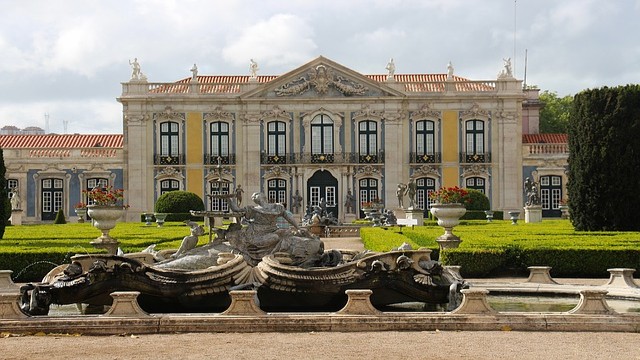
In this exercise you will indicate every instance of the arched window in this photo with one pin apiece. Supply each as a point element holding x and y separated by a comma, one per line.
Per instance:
<point>368,141</point>
<point>217,188</point>
<point>168,185</point>
<point>322,135</point>
<point>476,183</point>
<point>219,142</point>
<point>424,186</point>
<point>277,191</point>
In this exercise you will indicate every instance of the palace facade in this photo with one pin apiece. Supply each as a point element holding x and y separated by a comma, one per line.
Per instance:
<point>317,133</point>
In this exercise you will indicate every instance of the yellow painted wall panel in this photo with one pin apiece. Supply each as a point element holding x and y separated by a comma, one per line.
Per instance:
<point>450,176</point>
<point>449,136</point>
<point>194,153</point>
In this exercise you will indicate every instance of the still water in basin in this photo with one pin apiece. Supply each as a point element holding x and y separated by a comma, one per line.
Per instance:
<point>552,304</point>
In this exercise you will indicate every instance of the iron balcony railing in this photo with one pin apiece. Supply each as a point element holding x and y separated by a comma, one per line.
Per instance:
<point>417,158</point>
<point>475,158</point>
<point>177,159</point>
<point>305,158</point>
<point>210,159</point>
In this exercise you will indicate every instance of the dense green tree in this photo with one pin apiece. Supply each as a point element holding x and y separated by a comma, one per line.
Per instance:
<point>604,155</point>
<point>3,196</point>
<point>554,115</point>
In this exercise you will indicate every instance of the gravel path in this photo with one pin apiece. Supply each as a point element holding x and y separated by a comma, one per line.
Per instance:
<point>366,345</point>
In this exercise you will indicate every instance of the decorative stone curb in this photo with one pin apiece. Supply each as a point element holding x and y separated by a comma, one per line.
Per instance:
<point>244,302</point>
<point>454,269</point>
<point>125,303</point>
<point>621,277</point>
<point>592,302</point>
<point>9,308</point>
<point>474,301</point>
<point>6,284</point>
<point>359,303</point>
<point>540,275</point>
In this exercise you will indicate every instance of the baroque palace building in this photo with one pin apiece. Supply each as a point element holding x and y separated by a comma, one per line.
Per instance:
<point>317,133</point>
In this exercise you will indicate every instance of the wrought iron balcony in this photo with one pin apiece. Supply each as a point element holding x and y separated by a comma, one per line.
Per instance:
<point>229,159</point>
<point>305,158</point>
<point>416,158</point>
<point>177,159</point>
<point>475,158</point>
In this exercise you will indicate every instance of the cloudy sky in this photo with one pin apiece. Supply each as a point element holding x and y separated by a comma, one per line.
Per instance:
<point>67,58</point>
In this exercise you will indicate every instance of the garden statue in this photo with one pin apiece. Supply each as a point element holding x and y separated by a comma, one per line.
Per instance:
<point>400,192</point>
<point>238,193</point>
<point>15,199</point>
<point>262,237</point>
<point>189,242</point>
<point>411,191</point>
<point>296,202</point>
<point>389,218</point>
<point>531,192</point>
<point>350,202</point>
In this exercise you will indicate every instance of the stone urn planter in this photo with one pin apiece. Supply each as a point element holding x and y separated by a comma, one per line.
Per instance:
<point>448,216</point>
<point>82,214</point>
<point>104,218</point>
<point>160,218</point>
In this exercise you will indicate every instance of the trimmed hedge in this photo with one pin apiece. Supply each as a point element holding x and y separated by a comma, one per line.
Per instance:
<point>178,202</point>
<point>480,215</point>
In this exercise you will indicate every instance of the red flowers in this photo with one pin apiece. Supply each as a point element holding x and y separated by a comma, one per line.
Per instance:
<point>449,195</point>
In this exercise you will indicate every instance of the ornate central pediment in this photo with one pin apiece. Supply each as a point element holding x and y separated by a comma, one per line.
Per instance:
<point>325,78</point>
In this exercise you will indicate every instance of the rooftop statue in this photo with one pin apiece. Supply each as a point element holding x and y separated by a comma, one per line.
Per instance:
<point>391,68</point>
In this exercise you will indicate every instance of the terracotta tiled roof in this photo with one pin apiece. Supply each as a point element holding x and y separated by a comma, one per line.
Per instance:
<point>49,141</point>
<point>230,84</point>
<point>545,139</point>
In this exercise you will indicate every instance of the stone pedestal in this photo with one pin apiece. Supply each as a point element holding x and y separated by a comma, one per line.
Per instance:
<point>592,302</point>
<point>359,303</point>
<point>413,213</point>
<point>244,303</point>
<point>474,301</point>
<point>125,303</point>
<point>349,218</point>
<point>6,284</point>
<point>533,214</point>
<point>540,275</point>
<point>621,277</point>
<point>16,217</point>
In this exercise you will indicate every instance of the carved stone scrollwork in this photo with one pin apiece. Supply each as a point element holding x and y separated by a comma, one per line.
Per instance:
<point>277,172</point>
<point>393,117</point>
<point>218,115</point>
<point>425,112</point>
<point>321,79</point>
<point>426,170</point>
<point>169,114</point>
<point>366,112</point>
<point>252,119</point>
<point>474,170</point>
<point>474,112</point>
<point>367,170</point>
<point>135,119</point>
<point>507,117</point>
<point>276,114</point>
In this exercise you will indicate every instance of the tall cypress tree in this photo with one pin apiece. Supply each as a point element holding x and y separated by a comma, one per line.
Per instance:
<point>604,155</point>
<point>3,196</point>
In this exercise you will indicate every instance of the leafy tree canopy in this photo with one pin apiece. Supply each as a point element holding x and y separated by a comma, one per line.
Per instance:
<point>554,115</point>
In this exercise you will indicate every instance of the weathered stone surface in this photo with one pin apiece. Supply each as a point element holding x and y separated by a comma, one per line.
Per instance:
<point>540,275</point>
<point>6,284</point>
<point>9,308</point>
<point>592,302</point>
<point>244,302</point>
<point>358,303</point>
<point>621,277</point>
<point>125,303</point>
<point>474,301</point>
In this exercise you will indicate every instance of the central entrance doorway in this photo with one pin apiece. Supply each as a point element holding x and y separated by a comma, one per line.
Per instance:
<point>323,185</point>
